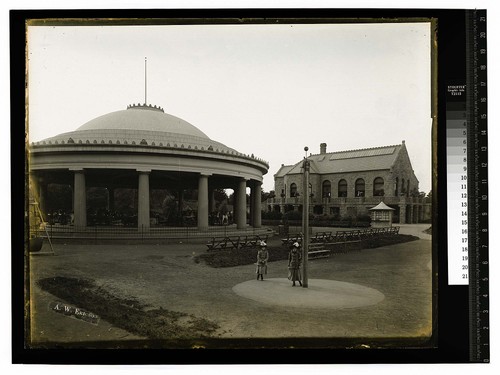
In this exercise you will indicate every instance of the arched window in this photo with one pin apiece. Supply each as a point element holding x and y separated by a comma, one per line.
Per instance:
<point>408,188</point>
<point>293,190</point>
<point>378,187</point>
<point>396,187</point>
<point>360,187</point>
<point>326,189</point>
<point>342,188</point>
<point>403,188</point>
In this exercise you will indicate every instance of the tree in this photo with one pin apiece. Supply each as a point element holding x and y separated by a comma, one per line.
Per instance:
<point>231,198</point>
<point>220,195</point>
<point>267,195</point>
<point>428,198</point>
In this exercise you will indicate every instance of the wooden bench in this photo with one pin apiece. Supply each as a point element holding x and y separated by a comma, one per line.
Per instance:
<point>259,238</point>
<point>249,241</point>
<point>317,250</point>
<point>325,243</point>
<point>382,232</point>
<point>216,243</point>
<point>394,230</point>
<point>366,234</point>
<point>223,243</point>
<point>321,237</point>
<point>334,238</point>
<point>316,254</point>
<point>253,241</point>
<point>349,236</point>
<point>291,239</point>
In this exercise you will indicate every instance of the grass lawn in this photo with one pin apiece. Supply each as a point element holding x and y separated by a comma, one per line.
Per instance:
<point>128,314</point>
<point>241,257</point>
<point>136,288</point>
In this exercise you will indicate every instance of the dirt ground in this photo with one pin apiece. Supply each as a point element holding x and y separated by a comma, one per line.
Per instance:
<point>167,276</point>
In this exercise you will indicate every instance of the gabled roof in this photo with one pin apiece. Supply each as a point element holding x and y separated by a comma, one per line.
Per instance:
<point>368,159</point>
<point>284,170</point>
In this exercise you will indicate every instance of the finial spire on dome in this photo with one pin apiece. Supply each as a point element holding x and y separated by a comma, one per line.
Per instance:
<point>145,80</point>
<point>145,105</point>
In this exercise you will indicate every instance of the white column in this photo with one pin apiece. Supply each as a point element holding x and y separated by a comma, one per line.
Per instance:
<point>42,197</point>
<point>212,200</point>
<point>143,220</point>
<point>241,201</point>
<point>203,202</point>
<point>111,198</point>
<point>235,204</point>
<point>80,199</point>
<point>257,205</point>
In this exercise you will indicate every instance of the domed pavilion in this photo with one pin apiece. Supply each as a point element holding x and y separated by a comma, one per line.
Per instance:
<point>144,148</point>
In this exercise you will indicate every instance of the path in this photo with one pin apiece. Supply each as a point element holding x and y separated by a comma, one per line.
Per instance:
<point>167,276</point>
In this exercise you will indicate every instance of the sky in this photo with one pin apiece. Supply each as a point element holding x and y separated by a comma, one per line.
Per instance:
<point>267,90</point>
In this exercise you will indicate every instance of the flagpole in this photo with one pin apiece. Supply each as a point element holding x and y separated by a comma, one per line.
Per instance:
<point>145,80</point>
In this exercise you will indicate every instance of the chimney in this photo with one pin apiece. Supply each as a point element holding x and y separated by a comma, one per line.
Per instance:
<point>322,148</point>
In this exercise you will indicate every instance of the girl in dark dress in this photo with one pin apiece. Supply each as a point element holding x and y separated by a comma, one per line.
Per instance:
<point>262,258</point>
<point>294,260</point>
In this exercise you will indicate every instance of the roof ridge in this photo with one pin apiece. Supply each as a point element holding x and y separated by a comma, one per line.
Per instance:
<point>355,150</point>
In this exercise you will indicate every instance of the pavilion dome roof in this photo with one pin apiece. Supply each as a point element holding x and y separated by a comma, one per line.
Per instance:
<point>140,124</point>
<point>143,118</point>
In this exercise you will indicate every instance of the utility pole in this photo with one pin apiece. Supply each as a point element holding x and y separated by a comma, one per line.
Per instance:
<point>305,220</point>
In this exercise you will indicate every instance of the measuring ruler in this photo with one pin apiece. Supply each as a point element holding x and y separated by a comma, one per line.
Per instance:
<point>477,183</point>
<point>467,184</point>
<point>477,200</point>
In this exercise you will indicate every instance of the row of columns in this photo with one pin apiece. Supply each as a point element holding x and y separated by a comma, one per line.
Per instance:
<point>415,214</point>
<point>205,202</point>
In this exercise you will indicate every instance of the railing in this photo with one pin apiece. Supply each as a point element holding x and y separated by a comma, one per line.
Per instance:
<point>143,233</point>
<point>318,223</point>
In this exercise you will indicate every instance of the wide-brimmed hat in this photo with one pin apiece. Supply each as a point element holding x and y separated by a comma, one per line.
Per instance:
<point>262,244</point>
<point>296,244</point>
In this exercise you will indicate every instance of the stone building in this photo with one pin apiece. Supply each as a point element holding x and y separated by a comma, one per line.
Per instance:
<point>143,148</point>
<point>349,183</point>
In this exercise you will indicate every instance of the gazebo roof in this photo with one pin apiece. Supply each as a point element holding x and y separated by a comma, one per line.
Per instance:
<point>382,207</point>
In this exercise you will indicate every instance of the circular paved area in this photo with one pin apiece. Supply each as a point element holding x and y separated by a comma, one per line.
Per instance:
<point>329,294</point>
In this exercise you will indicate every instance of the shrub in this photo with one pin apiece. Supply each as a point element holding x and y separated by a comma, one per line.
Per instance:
<point>323,220</point>
<point>364,218</point>
<point>272,215</point>
<point>293,215</point>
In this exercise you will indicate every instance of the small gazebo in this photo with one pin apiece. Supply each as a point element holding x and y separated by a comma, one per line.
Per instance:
<point>381,215</point>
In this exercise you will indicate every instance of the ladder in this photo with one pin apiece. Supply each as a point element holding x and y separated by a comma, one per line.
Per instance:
<point>37,214</point>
